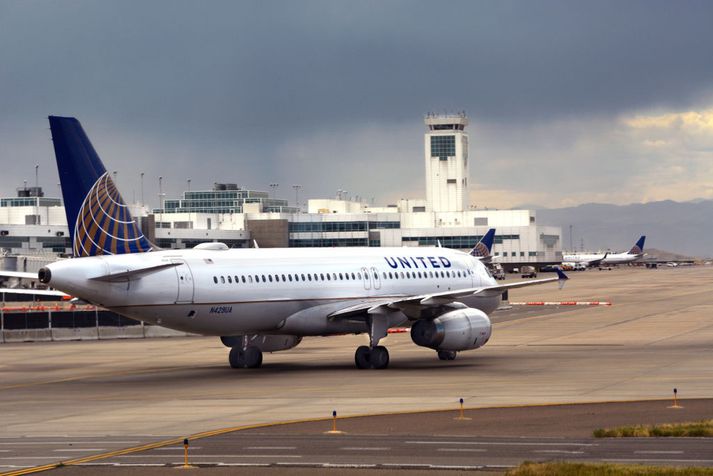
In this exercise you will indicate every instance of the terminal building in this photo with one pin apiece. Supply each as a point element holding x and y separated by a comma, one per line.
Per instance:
<point>34,228</point>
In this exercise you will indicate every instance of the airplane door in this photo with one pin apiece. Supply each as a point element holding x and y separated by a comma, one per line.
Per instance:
<point>366,278</point>
<point>185,282</point>
<point>377,280</point>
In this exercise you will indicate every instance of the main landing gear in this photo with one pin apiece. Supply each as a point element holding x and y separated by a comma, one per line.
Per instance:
<point>371,358</point>
<point>374,356</point>
<point>247,358</point>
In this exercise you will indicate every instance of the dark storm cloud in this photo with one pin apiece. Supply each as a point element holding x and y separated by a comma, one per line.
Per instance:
<point>230,83</point>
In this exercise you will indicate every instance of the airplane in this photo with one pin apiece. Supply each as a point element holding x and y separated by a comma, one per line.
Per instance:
<point>584,260</point>
<point>591,260</point>
<point>263,299</point>
<point>635,253</point>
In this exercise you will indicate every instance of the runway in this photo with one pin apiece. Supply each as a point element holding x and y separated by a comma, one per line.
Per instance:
<point>657,335</point>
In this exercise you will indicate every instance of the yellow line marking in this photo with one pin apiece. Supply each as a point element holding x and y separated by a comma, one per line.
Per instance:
<point>222,431</point>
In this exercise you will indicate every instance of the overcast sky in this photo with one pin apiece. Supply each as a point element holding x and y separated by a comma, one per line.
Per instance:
<point>570,102</point>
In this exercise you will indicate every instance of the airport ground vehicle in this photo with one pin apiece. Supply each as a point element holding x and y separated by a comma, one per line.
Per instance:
<point>498,272</point>
<point>528,272</point>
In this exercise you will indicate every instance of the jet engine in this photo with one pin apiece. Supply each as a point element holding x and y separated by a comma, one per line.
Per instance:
<point>460,329</point>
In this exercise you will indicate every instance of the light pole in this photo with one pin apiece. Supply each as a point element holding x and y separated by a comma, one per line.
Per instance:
<point>297,195</point>
<point>274,186</point>
<point>143,204</point>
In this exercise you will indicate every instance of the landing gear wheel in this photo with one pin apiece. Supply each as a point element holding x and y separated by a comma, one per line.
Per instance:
<point>253,357</point>
<point>446,355</point>
<point>362,357</point>
<point>379,357</point>
<point>250,358</point>
<point>236,358</point>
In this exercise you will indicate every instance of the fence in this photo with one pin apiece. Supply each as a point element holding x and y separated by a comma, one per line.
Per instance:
<point>63,321</point>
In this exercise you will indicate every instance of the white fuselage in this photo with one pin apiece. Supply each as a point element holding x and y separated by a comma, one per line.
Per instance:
<point>611,258</point>
<point>275,291</point>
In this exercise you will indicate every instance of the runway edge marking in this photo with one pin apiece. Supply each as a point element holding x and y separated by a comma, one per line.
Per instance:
<point>223,431</point>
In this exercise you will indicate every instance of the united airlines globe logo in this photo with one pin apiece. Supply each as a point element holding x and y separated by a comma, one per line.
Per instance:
<point>480,250</point>
<point>104,224</point>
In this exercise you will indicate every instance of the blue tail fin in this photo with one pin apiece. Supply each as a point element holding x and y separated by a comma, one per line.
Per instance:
<point>99,221</point>
<point>638,248</point>
<point>483,247</point>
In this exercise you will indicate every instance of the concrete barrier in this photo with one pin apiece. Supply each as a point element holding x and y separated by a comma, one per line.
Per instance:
<point>26,335</point>
<point>77,333</point>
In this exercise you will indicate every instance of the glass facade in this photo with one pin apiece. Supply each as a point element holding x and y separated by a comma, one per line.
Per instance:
<point>460,242</point>
<point>30,202</point>
<point>328,242</point>
<point>334,226</point>
<point>443,146</point>
<point>224,201</point>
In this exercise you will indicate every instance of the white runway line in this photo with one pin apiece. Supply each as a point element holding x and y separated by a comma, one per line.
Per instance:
<point>496,443</point>
<point>271,448</point>
<point>359,448</point>
<point>559,452</point>
<point>470,450</point>
<point>81,449</point>
<point>653,452</point>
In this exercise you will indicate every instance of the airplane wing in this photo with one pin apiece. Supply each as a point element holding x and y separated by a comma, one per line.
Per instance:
<point>33,292</point>
<point>596,262</point>
<point>436,299</point>
<point>18,275</point>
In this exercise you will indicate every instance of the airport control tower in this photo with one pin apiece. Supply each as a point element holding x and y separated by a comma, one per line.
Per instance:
<point>446,150</point>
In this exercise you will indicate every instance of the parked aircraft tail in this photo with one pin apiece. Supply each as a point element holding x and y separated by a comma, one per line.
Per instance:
<point>638,248</point>
<point>484,246</point>
<point>99,221</point>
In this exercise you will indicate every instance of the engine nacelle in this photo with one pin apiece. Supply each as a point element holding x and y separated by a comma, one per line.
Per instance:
<point>264,342</point>
<point>461,329</point>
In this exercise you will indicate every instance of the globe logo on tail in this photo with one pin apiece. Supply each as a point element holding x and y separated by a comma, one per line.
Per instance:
<point>104,224</point>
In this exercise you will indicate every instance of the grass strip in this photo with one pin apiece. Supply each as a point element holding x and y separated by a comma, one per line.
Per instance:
<point>690,429</point>
<point>602,469</point>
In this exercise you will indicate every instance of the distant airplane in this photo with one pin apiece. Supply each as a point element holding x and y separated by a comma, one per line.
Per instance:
<point>635,253</point>
<point>263,299</point>
<point>591,260</point>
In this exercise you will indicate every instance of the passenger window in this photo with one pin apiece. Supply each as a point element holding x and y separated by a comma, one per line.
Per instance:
<point>222,279</point>
<point>353,277</point>
<point>269,276</point>
<point>402,275</point>
<point>309,277</point>
<point>359,275</point>
<point>289,276</point>
<point>321,276</point>
<point>250,279</point>
<point>283,278</point>
<point>303,277</point>
<point>341,276</point>
<point>243,278</point>
<point>328,278</point>
<point>215,279</point>
<point>230,280</point>
<point>334,276</point>
<point>263,279</point>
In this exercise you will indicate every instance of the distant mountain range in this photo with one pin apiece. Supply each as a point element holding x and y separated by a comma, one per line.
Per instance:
<point>677,227</point>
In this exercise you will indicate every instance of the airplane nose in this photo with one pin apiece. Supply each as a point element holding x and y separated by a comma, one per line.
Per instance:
<point>44,275</point>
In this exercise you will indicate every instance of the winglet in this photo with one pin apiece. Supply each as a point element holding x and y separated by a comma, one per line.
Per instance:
<point>562,278</point>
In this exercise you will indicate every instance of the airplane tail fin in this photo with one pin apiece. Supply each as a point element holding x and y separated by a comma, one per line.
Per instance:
<point>638,248</point>
<point>99,221</point>
<point>484,246</point>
